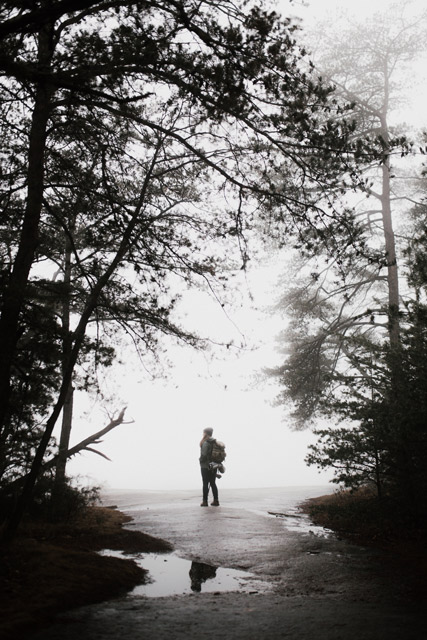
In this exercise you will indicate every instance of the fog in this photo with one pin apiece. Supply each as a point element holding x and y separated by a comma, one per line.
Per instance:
<point>158,448</point>
<point>218,387</point>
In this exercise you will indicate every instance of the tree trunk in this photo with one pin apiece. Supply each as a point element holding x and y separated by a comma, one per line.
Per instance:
<point>389,238</point>
<point>391,258</point>
<point>67,421</point>
<point>15,290</point>
<point>67,411</point>
<point>378,480</point>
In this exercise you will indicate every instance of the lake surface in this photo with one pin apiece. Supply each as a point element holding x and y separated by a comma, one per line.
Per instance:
<point>260,500</point>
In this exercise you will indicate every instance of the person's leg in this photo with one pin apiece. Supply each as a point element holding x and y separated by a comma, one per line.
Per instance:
<point>206,480</point>
<point>214,488</point>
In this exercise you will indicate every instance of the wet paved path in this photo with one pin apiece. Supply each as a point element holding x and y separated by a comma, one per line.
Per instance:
<point>315,585</point>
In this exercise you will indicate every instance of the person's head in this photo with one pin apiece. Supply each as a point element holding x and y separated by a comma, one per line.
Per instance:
<point>207,433</point>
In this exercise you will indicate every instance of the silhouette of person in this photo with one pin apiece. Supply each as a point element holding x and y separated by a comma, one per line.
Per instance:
<point>208,474</point>
<point>199,573</point>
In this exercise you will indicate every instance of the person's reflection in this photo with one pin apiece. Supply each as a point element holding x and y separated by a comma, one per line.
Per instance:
<point>199,573</point>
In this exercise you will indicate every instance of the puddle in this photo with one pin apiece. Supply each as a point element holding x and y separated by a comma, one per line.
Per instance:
<point>300,522</point>
<point>170,575</point>
<point>308,527</point>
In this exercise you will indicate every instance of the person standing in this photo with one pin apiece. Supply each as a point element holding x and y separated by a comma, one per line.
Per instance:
<point>208,474</point>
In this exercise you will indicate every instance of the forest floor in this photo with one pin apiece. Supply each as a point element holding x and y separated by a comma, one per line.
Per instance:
<point>317,586</point>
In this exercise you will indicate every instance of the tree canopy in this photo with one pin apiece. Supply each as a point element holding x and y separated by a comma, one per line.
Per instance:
<point>346,291</point>
<point>353,349</point>
<point>140,141</point>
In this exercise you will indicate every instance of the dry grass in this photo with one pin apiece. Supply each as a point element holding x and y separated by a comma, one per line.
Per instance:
<point>51,568</point>
<point>360,517</point>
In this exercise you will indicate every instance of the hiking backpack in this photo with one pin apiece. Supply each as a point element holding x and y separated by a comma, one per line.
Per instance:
<point>218,451</point>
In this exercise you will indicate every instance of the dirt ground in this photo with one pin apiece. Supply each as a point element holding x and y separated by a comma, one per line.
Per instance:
<point>316,586</point>
<point>53,568</point>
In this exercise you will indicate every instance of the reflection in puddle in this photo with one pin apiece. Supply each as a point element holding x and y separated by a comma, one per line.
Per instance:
<point>170,575</point>
<point>199,573</point>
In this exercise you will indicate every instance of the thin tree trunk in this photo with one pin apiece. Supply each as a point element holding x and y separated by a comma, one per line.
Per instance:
<point>391,258</point>
<point>58,502</point>
<point>378,480</point>
<point>64,441</point>
<point>67,412</point>
<point>389,237</point>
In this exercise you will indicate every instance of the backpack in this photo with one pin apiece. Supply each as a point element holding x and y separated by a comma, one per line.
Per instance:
<point>218,451</point>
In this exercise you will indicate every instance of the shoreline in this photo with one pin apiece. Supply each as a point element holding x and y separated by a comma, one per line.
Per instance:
<point>403,548</point>
<point>51,569</point>
<point>318,585</point>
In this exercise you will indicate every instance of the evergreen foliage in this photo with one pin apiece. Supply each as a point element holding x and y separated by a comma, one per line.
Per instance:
<point>354,349</point>
<point>385,441</point>
<point>347,282</point>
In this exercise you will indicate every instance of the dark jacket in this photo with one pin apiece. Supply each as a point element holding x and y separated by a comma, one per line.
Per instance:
<point>206,453</point>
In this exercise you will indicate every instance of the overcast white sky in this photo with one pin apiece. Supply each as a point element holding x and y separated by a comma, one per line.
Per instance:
<point>160,449</point>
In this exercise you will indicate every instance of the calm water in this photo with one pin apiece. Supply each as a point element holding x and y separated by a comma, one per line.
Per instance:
<point>278,499</point>
<point>170,575</point>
